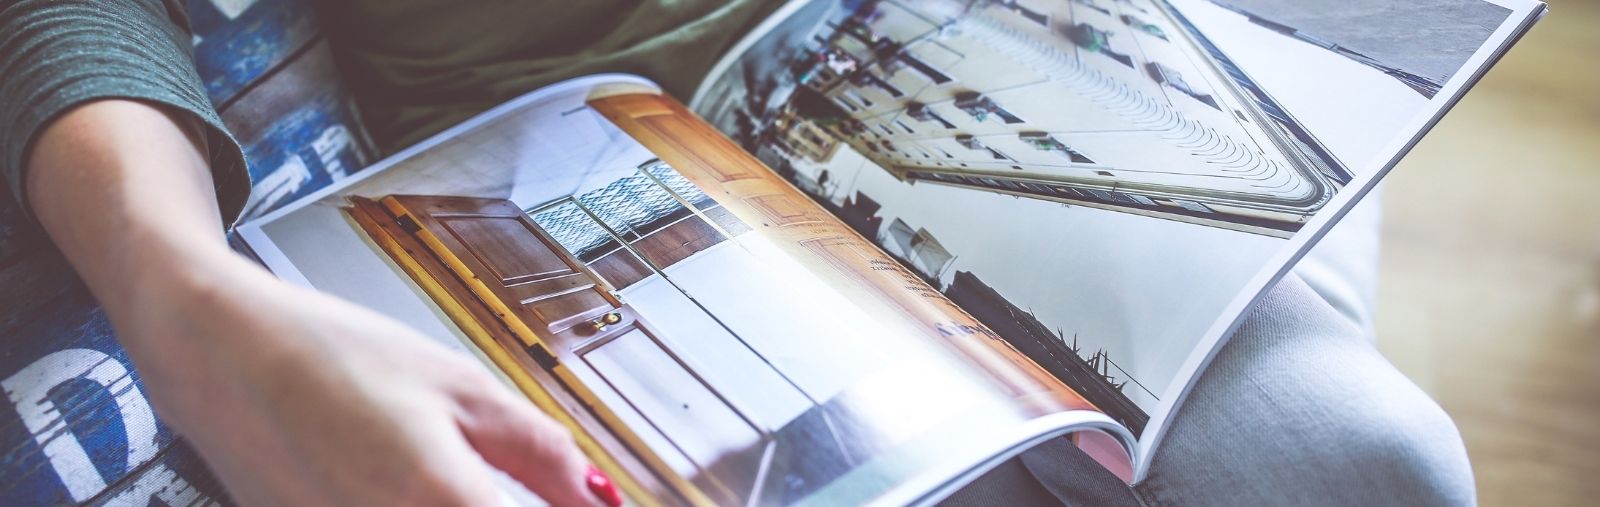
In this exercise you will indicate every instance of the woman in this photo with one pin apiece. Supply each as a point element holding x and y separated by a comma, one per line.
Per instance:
<point>297,398</point>
<point>291,396</point>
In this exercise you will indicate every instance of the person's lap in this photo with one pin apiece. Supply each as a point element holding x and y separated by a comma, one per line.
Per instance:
<point>1298,407</point>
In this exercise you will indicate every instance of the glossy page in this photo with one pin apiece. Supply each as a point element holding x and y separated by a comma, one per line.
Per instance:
<point>708,332</point>
<point>1111,182</point>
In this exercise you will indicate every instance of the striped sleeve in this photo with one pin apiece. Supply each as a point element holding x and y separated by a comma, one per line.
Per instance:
<point>57,54</point>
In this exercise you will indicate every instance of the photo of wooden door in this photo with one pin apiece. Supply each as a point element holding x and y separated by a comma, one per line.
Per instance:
<point>573,326</point>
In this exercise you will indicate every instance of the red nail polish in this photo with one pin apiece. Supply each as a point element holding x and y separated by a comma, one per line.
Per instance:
<point>602,487</point>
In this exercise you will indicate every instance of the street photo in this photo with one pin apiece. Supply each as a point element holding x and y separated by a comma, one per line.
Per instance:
<point>1092,179</point>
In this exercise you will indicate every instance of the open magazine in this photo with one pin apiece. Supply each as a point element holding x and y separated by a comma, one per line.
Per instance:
<point>889,244</point>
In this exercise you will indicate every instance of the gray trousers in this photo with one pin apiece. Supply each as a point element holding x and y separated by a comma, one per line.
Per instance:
<point>1298,408</point>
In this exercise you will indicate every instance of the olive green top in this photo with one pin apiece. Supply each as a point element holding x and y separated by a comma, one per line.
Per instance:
<point>419,66</point>
<point>415,67</point>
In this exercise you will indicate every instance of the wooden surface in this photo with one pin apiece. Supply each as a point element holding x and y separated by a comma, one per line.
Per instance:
<point>549,299</point>
<point>1489,293</point>
<point>608,451</point>
<point>76,428</point>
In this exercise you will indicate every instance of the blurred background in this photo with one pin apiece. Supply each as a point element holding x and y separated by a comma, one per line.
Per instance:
<point>1489,294</point>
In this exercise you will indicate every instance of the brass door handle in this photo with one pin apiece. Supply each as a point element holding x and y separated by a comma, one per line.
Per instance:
<point>606,320</point>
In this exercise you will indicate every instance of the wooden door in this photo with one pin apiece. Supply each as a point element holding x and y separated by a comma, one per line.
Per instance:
<point>573,326</point>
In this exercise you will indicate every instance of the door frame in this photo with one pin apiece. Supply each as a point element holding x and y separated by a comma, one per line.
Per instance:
<point>619,452</point>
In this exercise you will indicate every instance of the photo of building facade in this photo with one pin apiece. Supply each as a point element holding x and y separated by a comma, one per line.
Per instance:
<point>1094,180</point>
<point>1096,103</point>
<point>1028,158</point>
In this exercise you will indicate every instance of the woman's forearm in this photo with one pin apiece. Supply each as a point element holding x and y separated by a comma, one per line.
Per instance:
<point>293,397</point>
<point>124,190</point>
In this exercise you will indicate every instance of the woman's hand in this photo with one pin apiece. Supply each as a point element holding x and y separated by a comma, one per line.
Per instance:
<point>292,397</point>
<point>298,398</point>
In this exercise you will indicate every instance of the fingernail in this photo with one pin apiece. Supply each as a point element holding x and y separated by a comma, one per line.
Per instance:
<point>602,487</point>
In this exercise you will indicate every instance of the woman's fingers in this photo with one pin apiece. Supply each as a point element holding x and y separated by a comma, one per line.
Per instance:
<point>535,450</point>
<point>454,475</point>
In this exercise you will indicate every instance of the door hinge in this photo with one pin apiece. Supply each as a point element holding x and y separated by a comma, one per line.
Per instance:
<point>407,224</point>
<point>543,357</point>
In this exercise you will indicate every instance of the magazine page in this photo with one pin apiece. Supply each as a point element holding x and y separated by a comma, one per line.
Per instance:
<point>1107,184</point>
<point>709,333</point>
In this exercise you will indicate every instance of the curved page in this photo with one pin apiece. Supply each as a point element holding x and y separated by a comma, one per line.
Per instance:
<point>709,333</point>
<point>1105,183</point>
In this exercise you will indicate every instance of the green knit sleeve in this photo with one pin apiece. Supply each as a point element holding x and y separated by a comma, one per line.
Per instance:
<point>56,54</point>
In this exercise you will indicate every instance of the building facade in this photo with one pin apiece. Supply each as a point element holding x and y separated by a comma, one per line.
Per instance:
<point>1097,103</point>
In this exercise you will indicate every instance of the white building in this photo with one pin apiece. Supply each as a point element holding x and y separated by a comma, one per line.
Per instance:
<point>1100,103</point>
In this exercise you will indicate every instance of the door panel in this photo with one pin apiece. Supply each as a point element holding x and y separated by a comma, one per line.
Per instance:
<point>563,311</point>
<point>643,374</point>
<point>525,269</point>
<point>678,241</point>
<point>598,347</point>
<point>495,242</point>
<point>621,268</point>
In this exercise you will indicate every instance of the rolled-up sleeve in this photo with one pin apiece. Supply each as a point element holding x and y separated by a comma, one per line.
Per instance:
<point>56,54</point>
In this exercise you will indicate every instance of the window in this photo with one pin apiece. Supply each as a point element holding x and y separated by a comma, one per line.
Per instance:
<point>855,96</point>
<point>1170,77</point>
<point>654,217</point>
<point>981,107</point>
<point>1141,25</point>
<point>971,143</point>
<point>1192,206</point>
<point>921,112</point>
<point>866,79</point>
<point>1041,18</point>
<point>927,70</point>
<point>1097,194</point>
<point>1043,141</point>
<point>1067,191</point>
<point>847,103</point>
<point>1096,40</point>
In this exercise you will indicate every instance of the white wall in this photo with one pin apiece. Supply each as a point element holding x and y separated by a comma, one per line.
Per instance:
<point>337,258</point>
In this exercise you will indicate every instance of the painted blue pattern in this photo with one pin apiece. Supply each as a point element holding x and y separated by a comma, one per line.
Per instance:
<point>303,151</point>
<point>231,53</point>
<point>177,478</point>
<point>88,395</point>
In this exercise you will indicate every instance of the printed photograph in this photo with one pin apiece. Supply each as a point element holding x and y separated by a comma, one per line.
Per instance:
<point>1092,179</point>
<point>796,252</point>
<point>694,330</point>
